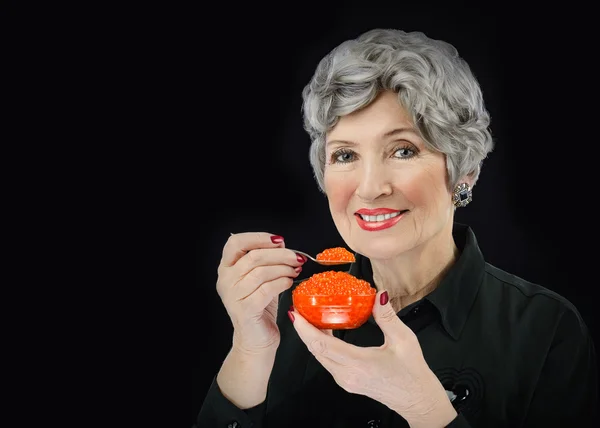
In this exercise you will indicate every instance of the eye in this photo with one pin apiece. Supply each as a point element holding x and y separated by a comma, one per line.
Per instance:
<point>342,156</point>
<point>404,153</point>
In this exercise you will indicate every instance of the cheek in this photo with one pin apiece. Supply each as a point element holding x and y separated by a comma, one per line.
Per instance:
<point>427,189</point>
<point>339,191</point>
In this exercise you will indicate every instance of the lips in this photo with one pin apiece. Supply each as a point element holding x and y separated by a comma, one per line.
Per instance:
<point>376,211</point>
<point>378,219</point>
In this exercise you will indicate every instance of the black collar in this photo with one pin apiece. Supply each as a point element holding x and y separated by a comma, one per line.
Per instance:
<point>456,293</point>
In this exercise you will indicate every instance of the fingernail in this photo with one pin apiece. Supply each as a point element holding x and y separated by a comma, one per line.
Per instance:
<point>298,269</point>
<point>291,308</point>
<point>276,239</point>
<point>291,315</point>
<point>301,258</point>
<point>383,299</point>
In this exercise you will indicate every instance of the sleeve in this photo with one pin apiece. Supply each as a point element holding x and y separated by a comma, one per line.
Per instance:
<point>566,394</point>
<point>459,422</point>
<point>218,412</point>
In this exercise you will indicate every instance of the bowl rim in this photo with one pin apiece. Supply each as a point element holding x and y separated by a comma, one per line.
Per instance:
<point>336,295</point>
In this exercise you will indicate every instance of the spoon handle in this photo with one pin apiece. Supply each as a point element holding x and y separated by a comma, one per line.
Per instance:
<point>321,262</point>
<point>306,255</point>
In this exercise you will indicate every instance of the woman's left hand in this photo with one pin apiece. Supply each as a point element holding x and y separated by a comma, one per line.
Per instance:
<point>395,373</point>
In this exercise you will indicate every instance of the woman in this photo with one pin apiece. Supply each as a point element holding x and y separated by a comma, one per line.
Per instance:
<point>399,131</point>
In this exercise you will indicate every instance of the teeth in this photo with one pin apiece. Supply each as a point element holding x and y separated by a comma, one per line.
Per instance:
<point>380,217</point>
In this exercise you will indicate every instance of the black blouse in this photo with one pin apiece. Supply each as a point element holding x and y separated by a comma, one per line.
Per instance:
<point>508,352</point>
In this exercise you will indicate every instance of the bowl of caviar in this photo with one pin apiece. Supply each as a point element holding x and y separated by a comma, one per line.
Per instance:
<point>334,300</point>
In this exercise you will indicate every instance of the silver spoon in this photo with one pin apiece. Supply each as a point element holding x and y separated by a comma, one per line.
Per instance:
<point>321,262</point>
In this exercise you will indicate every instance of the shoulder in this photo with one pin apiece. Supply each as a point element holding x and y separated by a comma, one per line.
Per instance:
<point>500,280</point>
<point>522,298</point>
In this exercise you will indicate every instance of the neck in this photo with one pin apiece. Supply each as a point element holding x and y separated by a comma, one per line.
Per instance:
<point>416,273</point>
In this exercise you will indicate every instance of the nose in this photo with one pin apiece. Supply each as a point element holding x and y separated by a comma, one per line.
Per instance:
<point>374,182</point>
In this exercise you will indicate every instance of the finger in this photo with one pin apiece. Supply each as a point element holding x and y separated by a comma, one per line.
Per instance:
<point>322,345</point>
<point>390,323</point>
<point>267,257</point>
<point>263,295</point>
<point>255,279</point>
<point>256,267</point>
<point>239,244</point>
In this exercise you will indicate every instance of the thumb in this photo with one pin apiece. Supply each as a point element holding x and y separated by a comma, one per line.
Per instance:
<point>390,323</point>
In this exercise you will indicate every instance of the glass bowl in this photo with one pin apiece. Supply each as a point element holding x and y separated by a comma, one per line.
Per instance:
<point>335,312</point>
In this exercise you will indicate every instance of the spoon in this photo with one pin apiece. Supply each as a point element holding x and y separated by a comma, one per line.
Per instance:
<point>321,262</point>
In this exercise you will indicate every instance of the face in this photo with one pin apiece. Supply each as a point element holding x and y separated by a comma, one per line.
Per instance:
<point>387,192</point>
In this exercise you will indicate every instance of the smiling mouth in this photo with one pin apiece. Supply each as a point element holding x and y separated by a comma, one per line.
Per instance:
<point>380,217</point>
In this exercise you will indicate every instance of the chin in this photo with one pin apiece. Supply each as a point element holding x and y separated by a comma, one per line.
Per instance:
<point>381,251</point>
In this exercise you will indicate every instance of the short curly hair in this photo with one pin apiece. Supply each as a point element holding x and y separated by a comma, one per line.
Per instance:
<point>432,81</point>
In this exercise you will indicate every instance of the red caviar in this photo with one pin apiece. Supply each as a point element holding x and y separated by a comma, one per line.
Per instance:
<point>336,254</point>
<point>334,300</point>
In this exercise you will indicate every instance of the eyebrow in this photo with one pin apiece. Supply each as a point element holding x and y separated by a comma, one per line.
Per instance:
<point>400,131</point>
<point>386,135</point>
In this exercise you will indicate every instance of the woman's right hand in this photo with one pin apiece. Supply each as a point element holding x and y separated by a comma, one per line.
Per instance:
<point>255,268</point>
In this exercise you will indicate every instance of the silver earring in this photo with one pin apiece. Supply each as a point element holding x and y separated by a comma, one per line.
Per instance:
<point>462,195</point>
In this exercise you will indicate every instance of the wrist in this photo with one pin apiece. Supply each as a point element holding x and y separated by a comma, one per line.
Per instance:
<point>437,414</point>
<point>435,410</point>
<point>246,351</point>
<point>264,345</point>
<point>244,376</point>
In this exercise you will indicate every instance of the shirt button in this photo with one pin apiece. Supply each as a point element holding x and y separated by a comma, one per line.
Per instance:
<point>375,423</point>
<point>416,310</point>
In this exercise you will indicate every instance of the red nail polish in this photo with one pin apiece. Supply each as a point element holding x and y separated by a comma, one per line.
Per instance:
<point>276,239</point>
<point>291,315</point>
<point>383,299</point>
<point>298,269</point>
<point>300,258</point>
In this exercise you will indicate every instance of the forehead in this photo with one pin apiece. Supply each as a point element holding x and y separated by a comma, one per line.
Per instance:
<point>377,120</point>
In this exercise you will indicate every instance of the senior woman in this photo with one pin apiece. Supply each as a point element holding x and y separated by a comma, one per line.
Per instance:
<point>399,131</point>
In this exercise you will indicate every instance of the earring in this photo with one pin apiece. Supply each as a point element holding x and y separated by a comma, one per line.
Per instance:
<point>462,195</point>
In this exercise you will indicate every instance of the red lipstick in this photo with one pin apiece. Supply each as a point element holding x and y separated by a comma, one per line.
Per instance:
<point>376,211</point>
<point>373,226</point>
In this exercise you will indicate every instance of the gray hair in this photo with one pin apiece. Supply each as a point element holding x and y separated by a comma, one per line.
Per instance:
<point>432,81</point>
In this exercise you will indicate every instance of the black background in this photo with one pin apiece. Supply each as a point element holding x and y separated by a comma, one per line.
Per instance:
<point>533,207</point>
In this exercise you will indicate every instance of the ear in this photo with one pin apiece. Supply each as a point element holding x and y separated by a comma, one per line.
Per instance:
<point>469,179</point>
